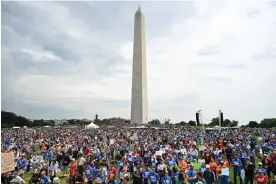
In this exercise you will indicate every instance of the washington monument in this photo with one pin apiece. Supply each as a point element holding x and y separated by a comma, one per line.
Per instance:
<point>139,95</point>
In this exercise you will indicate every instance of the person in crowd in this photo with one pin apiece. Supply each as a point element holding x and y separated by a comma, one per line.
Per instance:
<point>260,178</point>
<point>166,179</point>
<point>22,165</point>
<point>191,174</point>
<point>65,164</point>
<point>81,163</point>
<point>53,169</point>
<point>175,176</point>
<point>89,174</point>
<point>209,175</point>
<point>146,173</point>
<point>261,169</point>
<point>266,161</point>
<point>249,172</point>
<point>35,177</point>
<point>17,179</point>
<point>237,165</point>
<point>112,180</point>
<point>154,177</point>
<point>199,178</point>
<point>138,174</point>
<point>44,178</point>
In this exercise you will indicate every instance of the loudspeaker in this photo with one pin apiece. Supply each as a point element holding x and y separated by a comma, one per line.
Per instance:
<point>221,117</point>
<point>197,119</point>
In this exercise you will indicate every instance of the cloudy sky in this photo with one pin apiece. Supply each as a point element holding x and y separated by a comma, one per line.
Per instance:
<point>74,59</point>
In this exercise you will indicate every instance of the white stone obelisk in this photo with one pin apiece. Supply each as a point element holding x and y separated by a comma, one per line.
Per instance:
<point>139,96</point>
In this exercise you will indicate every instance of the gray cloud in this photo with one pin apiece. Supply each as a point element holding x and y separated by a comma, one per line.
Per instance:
<point>72,59</point>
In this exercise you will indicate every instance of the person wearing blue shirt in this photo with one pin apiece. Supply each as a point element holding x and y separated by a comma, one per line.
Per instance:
<point>89,173</point>
<point>243,157</point>
<point>261,169</point>
<point>138,160</point>
<point>98,155</point>
<point>44,179</point>
<point>237,164</point>
<point>191,175</point>
<point>174,175</point>
<point>147,158</point>
<point>22,165</point>
<point>170,163</point>
<point>112,180</point>
<point>202,168</point>
<point>130,161</point>
<point>100,178</point>
<point>154,177</point>
<point>146,172</point>
<point>166,179</point>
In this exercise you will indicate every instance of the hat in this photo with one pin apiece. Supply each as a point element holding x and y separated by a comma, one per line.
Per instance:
<point>260,163</point>
<point>207,166</point>
<point>265,155</point>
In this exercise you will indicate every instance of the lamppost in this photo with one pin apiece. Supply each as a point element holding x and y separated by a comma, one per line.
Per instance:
<point>220,120</point>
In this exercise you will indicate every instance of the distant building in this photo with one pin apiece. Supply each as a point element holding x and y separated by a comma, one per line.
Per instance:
<point>60,122</point>
<point>117,120</point>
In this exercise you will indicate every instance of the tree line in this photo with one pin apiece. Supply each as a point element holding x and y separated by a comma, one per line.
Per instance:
<point>9,119</point>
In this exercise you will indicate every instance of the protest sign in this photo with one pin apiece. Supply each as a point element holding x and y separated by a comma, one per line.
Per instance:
<point>225,171</point>
<point>196,165</point>
<point>7,162</point>
<point>158,153</point>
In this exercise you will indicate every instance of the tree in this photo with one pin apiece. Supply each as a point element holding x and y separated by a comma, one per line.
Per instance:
<point>226,123</point>
<point>253,124</point>
<point>192,123</point>
<point>234,123</point>
<point>268,123</point>
<point>182,123</point>
<point>38,123</point>
<point>9,119</point>
<point>167,122</point>
<point>214,122</point>
<point>154,122</point>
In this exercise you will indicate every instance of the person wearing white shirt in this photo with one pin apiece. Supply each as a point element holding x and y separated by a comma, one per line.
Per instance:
<point>81,162</point>
<point>17,179</point>
<point>53,169</point>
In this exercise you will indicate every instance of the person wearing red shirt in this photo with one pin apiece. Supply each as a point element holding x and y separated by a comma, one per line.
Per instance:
<point>266,164</point>
<point>112,170</point>
<point>273,161</point>
<point>260,178</point>
<point>86,150</point>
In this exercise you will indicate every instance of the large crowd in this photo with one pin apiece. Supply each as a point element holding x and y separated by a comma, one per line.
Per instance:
<point>112,155</point>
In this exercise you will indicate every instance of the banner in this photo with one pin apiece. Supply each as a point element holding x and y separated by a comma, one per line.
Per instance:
<point>7,162</point>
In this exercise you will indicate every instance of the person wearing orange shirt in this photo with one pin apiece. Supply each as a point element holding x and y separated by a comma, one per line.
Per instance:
<point>225,162</point>
<point>219,168</point>
<point>213,165</point>
<point>72,170</point>
<point>73,167</point>
<point>182,165</point>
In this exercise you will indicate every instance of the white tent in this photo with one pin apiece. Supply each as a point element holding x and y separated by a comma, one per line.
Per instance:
<point>16,127</point>
<point>46,126</point>
<point>91,125</point>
